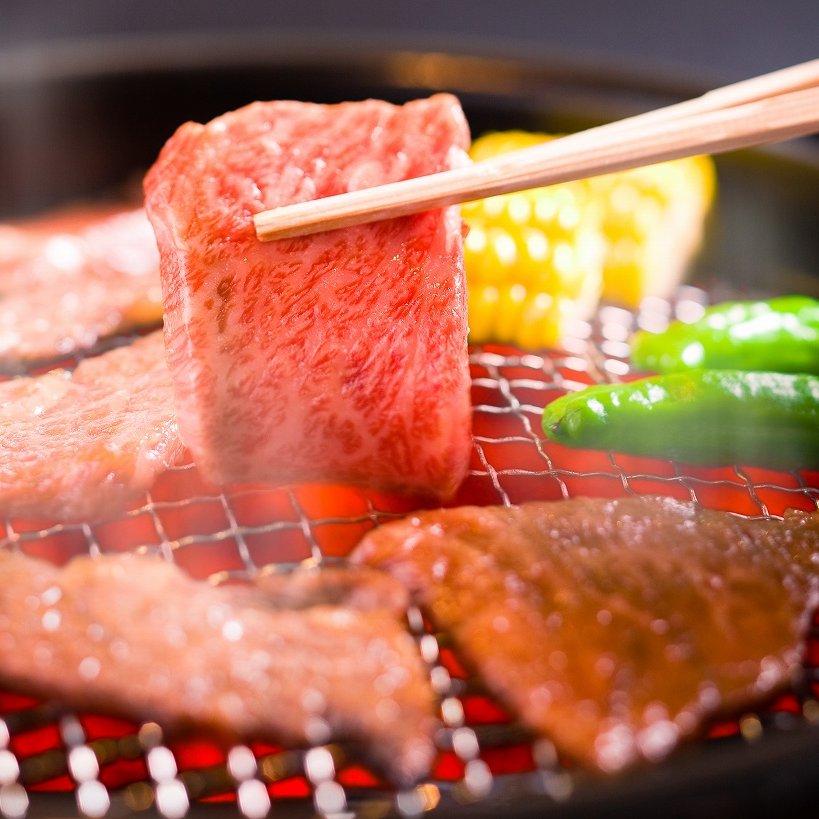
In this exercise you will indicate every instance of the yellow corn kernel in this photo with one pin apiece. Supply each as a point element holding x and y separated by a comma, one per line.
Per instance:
<point>652,221</point>
<point>538,260</point>
<point>533,259</point>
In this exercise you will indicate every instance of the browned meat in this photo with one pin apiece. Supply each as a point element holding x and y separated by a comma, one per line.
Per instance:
<point>136,636</point>
<point>361,588</point>
<point>614,627</point>
<point>80,445</point>
<point>70,279</point>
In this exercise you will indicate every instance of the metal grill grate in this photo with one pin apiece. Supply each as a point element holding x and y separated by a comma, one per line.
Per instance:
<point>59,763</point>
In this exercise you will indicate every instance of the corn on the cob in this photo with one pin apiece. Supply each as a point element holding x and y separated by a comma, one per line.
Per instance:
<point>533,259</point>
<point>539,259</point>
<point>652,221</point>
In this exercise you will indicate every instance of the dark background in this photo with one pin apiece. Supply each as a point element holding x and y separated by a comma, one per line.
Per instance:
<point>712,40</point>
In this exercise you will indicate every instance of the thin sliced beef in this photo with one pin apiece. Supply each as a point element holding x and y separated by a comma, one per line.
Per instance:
<point>81,445</point>
<point>361,588</point>
<point>72,278</point>
<point>613,626</point>
<point>135,636</point>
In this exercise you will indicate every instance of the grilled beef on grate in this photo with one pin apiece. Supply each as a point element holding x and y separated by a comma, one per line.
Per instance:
<point>613,626</point>
<point>80,445</point>
<point>360,588</point>
<point>136,636</point>
<point>69,279</point>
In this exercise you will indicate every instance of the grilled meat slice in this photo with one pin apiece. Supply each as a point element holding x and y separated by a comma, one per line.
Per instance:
<point>72,278</point>
<point>360,588</point>
<point>136,636</point>
<point>81,445</point>
<point>615,627</point>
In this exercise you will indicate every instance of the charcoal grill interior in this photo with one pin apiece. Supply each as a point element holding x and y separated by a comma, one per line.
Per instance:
<point>764,238</point>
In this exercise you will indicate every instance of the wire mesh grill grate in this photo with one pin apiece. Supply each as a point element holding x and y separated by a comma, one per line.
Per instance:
<point>101,766</point>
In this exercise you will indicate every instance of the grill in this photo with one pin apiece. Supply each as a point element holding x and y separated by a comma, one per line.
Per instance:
<point>58,763</point>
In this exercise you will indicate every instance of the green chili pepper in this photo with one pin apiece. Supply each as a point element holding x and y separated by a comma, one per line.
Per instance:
<point>779,335</point>
<point>707,417</point>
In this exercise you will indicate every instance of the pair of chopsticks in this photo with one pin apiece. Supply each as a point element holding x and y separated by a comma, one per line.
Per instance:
<point>770,108</point>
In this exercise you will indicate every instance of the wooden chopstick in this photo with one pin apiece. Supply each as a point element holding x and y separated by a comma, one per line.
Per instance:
<point>769,108</point>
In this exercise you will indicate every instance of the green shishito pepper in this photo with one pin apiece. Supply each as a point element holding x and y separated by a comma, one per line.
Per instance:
<point>780,335</point>
<point>705,417</point>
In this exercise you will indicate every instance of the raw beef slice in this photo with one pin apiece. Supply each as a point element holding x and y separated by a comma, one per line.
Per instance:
<point>340,356</point>
<point>81,445</point>
<point>72,278</point>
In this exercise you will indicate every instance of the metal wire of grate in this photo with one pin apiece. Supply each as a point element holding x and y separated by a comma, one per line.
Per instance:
<point>103,766</point>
